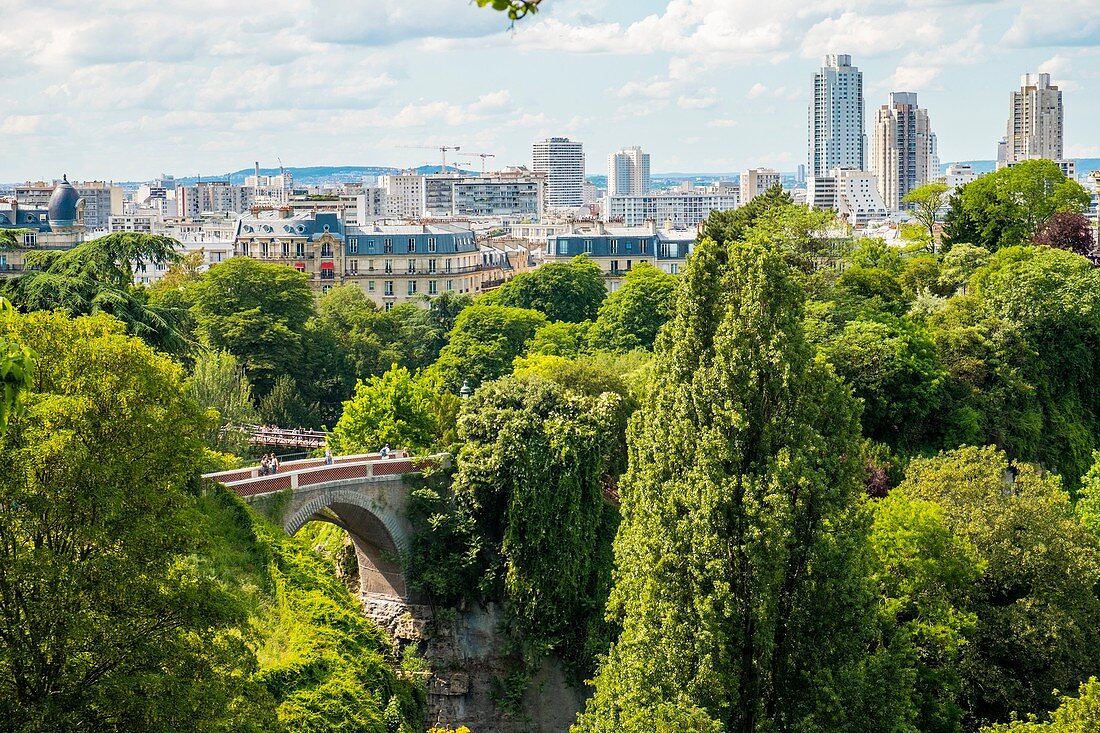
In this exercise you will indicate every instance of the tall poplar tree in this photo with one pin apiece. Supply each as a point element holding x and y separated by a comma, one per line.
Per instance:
<point>737,585</point>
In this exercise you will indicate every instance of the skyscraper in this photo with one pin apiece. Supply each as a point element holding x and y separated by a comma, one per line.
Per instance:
<point>628,172</point>
<point>562,160</point>
<point>836,117</point>
<point>1034,121</point>
<point>901,148</point>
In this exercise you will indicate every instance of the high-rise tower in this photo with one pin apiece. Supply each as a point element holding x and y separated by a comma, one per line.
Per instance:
<point>1034,121</point>
<point>628,172</point>
<point>562,161</point>
<point>836,117</point>
<point>901,148</point>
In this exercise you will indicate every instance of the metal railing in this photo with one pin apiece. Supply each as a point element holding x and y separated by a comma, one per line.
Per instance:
<point>248,482</point>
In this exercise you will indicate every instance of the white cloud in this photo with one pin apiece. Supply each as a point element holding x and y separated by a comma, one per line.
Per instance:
<point>703,100</point>
<point>21,124</point>
<point>870,35</point>
<point>1065,23</point>
<point>722,123</point>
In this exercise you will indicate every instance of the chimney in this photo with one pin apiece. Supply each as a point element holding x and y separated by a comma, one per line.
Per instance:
<point>257,173</point>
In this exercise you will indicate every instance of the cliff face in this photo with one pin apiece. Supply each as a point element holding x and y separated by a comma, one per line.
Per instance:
<point>466,655</point>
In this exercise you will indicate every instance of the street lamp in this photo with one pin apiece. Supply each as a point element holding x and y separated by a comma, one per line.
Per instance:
<point>465,392</point>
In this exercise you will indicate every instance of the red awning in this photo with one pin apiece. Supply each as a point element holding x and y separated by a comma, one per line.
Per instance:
<point>299,265</point>
<point>326,266</point>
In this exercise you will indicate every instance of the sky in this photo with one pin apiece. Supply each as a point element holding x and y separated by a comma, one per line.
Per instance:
<point>129,89</point>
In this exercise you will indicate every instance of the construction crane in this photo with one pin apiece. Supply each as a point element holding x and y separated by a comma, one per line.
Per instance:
<point>441,148</point>
<point>483,156</point>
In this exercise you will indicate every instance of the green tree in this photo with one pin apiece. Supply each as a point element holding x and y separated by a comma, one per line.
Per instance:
<point>562,291</point>
<point>217,383</point>
<point>1038,624</point>
<point>484,341</point>
<point>1007,208</point>
<point>97,277</point>
<point>395,408</point>
<point>561,339</point>
<point>631,316</point>
<point>16,370</point>
<point>737,543</point>
<point>926,202</point>
<point>531,474</point>
<point>287,407</point>
<point>959,263</point>
<point>256,311</point>
<point>107,622</point>
<point>1079,714</point>
<point>924,575</point>
<point>1054,296</point>
<point>891,364</point>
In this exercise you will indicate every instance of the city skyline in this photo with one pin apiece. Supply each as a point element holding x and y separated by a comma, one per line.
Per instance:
<point>205,89</point>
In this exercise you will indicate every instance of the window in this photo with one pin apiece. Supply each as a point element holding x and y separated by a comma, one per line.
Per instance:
<point>370,285</point>
<point>353,265</point>
<point>448,265</point>
<point>412,287</point>
<point>263,250</point>
<point>326,249</point>
<point>387,246</point>
<point>614,246</point>
<point>563,247</point>
<point>628,264</point>
<point>412,265</point>
<point>614,265</point>
<point>643,247</point>
<point>389,305</point>
<point>326,288</point>
<point>431,244</point>
<point>412,244</point>
<point>286,249</point>
<point>450,285</point>
<point>674,269</point>
<point>431,265</point>
<point>588,246</point>
<point>387,287</point>
<point>389,266</point>
<point>299,249</point>
<point>433,287</point>
<point>629,246</point>
<point>353,247</point>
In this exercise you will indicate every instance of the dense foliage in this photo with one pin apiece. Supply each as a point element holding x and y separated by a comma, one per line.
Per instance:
<point>100,592</point>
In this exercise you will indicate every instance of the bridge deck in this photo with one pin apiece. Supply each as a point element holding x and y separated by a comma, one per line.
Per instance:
<point>247,482</point>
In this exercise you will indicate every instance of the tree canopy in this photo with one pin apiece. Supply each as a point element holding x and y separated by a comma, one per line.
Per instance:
<point>100,592</point>
<point>562,291</point>
<point>1008,207</point>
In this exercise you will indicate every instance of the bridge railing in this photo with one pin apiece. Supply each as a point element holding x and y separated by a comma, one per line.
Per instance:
<point>295,474</point>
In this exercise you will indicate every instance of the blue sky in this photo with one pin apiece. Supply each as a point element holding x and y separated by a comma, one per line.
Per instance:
<point>189,87</point>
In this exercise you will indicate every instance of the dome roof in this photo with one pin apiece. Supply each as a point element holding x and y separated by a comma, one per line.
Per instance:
<point>63,204</point>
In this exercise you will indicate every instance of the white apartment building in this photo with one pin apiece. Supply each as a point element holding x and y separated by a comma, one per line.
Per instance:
<point>756,181</point>
<point>901,148</point>
<point>836,137</point>
<point>628,172</point>
<point>404,195</point>
<point>853,194</point>
<point>683,208</point>
<point>1034,122</point>
<point>561,160</point>
<point>212,196</point>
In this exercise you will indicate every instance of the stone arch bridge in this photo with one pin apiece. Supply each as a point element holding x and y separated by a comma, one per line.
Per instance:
<point>366,495</point>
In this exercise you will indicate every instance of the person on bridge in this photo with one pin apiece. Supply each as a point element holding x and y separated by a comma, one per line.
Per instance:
<point>265,465</point>
<point>274,463</point>
<point>385,452</point>
<point>328,456</point>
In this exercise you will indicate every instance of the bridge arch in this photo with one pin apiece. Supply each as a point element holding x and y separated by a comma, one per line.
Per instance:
<point>376,531</point>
